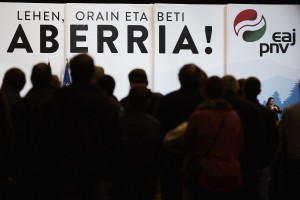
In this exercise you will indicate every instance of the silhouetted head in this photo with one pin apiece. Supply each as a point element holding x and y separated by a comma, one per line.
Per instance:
<point>137,76</point>
<point>138,96</point>
<point>55,82</point>
<point>252,87</point>
<point>191,76</point>
<point>14,78</point>
<point>98,73</point>
<point>82,68</point>
<point>230,84</point>
<point>108,84</point>
<point>214,87</point>
<point>41,75</point>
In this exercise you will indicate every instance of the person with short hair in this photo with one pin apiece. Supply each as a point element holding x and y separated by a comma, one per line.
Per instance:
<point>214,131</point>
<point>140,146</point>
<point>98,73</point>
<point>175,108</point>
<point>108,84</point>
<point>27,115</point>
<point>289,129</point>
<point>136,77</point>
<point>267,144</point>
<point>253,127</point>
<point>14,81</point>
<point>78,144</point>
<point>7,142</point>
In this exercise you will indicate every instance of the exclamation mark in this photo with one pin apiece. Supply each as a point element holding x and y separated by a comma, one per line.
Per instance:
<point>208,31</point>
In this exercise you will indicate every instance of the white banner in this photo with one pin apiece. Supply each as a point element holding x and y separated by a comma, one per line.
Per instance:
<point>31,33</point>
<point>187,34</point>
<point>117,36</point>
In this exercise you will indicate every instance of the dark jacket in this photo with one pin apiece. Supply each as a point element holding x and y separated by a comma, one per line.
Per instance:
<point>140,147</point>
<point>78,141</point>
<point>154,99</point>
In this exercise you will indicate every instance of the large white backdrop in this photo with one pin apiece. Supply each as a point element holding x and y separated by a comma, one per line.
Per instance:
<point>242,40</point>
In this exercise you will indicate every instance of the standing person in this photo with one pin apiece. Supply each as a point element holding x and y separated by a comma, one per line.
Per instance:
<point>289,130</point>
<point>138,76</point>
<point>7,141</point>
<point>253,127</point>
<point>274,108</point>
<point>140,146</point>
<point>214,130</point>
<point>108,84</point>
<point>268,146</point>
<point>174,108</point>
<point>78,138</point>
<point>13,82</point>
<point>27,116</point>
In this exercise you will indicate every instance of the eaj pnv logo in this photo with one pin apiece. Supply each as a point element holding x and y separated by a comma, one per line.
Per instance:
<point>249,26</point>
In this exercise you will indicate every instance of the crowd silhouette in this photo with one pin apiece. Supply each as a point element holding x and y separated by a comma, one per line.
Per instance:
<point>80,142</point>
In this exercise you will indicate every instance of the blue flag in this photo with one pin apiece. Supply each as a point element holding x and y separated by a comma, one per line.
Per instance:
<point>67,78</point>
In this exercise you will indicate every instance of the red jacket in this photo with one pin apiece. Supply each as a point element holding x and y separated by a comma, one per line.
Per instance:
<point>222,170</point>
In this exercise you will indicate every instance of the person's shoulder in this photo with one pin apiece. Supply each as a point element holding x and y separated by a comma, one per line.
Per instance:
<point>291,108</point>
<point>124,101</point>
<point>169,99</point>
<point>156,96</point>
<point>263,108</point>
<point>170,95</point>
<point>246,102</point>
<point>267,106</point>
